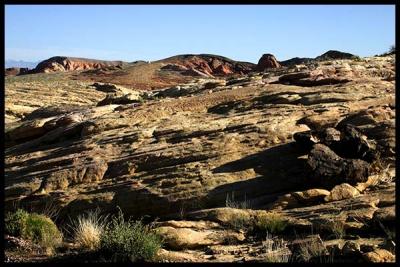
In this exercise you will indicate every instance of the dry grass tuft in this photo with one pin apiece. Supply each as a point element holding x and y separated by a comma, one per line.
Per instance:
<point>276,249</point>
<point>87,230</point>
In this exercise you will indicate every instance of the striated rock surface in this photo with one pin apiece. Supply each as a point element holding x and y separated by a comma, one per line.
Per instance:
<point>210,156</point>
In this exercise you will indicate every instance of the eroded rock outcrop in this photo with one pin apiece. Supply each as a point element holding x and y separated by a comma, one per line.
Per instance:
<point>267,61</point>
<point>207,65</point>
<point>71,63</point>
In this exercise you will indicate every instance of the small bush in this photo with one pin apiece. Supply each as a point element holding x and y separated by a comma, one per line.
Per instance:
<point>314,252</point>
<point>239,221</point>
<point>42,230</point>
<point>35,227</point>
<point>87,230</point>
<point>14,222</point>
<point>271,223</point>
<point>392,49</point>
<point>129,241</point>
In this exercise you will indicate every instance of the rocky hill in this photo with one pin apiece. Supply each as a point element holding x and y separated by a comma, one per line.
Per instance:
<point>58,63</point>
<point>210,154</point>
<point>329,55</point>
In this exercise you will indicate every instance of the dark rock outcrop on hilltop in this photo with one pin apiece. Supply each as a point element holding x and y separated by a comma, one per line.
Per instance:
<point>296,61</point>
<point>16,71</point>
<point>334,54</point>
<point>267,61</point>
<point>329,55</point>
<point>72,63</point>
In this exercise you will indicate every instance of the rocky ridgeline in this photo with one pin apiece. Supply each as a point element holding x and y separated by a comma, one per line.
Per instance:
<point>189,65</point>
<point>313,144</point>
<point>71,63</point>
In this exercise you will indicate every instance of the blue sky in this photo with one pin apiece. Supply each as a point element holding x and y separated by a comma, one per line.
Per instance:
<point>240,32</point>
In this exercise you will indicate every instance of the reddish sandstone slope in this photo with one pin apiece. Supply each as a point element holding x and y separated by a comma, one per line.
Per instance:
<point>167,72</point>
<point>72,63</point>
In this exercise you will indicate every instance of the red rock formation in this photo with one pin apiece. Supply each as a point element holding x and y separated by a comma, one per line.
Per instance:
<point>69,63</point>
<point>267,61</point>
<point>212,65</point>
<point>223,70</point>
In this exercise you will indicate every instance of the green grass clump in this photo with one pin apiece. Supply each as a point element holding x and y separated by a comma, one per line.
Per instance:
<point>42,230</point>
<point>35,227</point>
<point>128,241</point>
<point>271,223</point>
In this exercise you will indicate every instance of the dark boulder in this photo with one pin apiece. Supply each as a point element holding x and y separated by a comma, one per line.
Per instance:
<point>304,141</point>
<point>329,136</point>
<point>329,169</point>
<point>354,145</point>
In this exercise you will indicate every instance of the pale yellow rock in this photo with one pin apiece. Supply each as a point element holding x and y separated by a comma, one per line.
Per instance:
<point>342,191</point>
<point>379,255</point>
<point>311,195</point>
<point>181,238</point>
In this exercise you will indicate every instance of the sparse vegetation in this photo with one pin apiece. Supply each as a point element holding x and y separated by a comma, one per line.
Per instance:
<point>392,49</point>
<point>239,221</point>
<point>276,249</point>
<point>230,202</point>
<point>271,223</point>
<point>87,230</point>
<point>338,228</point>
<point>128,241</point>
<point>313,252</point>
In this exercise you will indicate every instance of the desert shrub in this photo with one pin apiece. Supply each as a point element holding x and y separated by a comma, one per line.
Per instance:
<point>271,223</point>
<point>42,230</point>
<point>239,221</point>
<point>35,227</point>
<point>15,221</point>
<point>392,49</point>
<point>87,230</point>
<point>129,241</point>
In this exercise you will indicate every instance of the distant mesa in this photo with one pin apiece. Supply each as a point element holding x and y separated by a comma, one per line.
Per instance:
<point>11,63</point>
<point>329,55</point>
<point>72,63</point>
<point>16,71</point>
